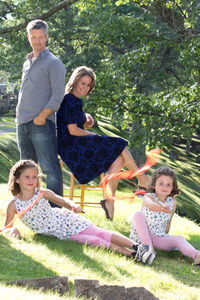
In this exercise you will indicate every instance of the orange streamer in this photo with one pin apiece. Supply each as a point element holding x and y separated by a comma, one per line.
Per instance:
<point>22,212</point>
<point>152,159</point>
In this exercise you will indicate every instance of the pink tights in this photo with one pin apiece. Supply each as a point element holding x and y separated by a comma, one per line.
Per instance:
<point>161,242</point>
<point>93,235</point>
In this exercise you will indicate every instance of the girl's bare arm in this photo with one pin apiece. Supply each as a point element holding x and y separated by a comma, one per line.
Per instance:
<point>50,195</point>
<point>10,214</point>
<point>173,212</point>
<point>150,203</point>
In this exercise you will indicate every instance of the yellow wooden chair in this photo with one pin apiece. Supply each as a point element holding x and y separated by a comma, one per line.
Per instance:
<point>83,188</point>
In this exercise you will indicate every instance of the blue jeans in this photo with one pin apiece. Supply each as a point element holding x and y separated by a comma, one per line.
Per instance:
<point>39,143</point>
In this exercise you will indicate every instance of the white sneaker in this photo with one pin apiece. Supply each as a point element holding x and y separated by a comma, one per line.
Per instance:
<point>145,254</point>
<point>197,259</point>
<point>151,259</point>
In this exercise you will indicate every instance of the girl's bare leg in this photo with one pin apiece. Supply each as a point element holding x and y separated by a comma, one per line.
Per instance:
<point>120,249</point>
<point>121,243</point>
<point>129,162</point>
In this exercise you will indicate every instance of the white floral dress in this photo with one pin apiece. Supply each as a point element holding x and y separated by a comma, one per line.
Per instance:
<point>157,221</point>
<point>51,221</point>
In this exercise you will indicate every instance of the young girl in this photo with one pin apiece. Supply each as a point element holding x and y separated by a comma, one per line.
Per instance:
<point>86,153</point>
<point>151,225</point>
<point>24,185</point>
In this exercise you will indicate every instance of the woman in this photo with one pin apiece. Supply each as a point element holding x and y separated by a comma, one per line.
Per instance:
<point>86,153</point>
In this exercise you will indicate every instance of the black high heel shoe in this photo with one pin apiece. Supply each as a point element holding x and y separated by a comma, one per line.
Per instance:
<point>103,205</point>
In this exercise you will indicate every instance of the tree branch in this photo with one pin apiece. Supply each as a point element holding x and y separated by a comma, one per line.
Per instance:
<point>43,16</point>
<point>150,113</point>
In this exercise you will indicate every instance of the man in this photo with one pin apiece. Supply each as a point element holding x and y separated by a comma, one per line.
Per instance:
<point>40,96</point>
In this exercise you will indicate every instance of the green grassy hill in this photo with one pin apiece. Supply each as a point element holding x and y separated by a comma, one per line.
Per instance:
<point>171,277</point>
<point>186,168</point>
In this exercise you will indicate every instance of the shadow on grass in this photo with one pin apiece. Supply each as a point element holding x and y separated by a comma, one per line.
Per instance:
<point>17,266</point>
<point>75,252</point>
<point>180,267</point>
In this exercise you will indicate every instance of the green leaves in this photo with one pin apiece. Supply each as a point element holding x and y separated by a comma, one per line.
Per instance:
<point>145,55</point>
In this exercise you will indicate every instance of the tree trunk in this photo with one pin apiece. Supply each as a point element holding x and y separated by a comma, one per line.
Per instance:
<point>137,144</point>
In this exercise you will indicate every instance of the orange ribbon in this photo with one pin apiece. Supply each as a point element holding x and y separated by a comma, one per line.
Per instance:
<point>23,211</point>
<point>152,159</point>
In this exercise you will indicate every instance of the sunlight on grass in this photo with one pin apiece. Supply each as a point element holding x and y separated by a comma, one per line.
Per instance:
<point>41,256</point>
<point>172,276</point>
<point>7,293</point>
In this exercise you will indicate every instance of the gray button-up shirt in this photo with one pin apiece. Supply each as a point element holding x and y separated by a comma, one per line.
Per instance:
<point>42,86</point>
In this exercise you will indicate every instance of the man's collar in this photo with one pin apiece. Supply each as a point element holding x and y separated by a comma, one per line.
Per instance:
<point>42,54</point>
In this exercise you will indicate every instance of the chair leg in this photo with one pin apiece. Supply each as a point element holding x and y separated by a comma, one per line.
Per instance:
<point>83,188</point>
<point>82,195</point>
<point>72,182</point>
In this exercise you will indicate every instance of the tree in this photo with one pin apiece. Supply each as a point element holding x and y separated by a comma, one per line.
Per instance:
<point>145,54</point>
<point>151,64</point>
<point>14,43</point>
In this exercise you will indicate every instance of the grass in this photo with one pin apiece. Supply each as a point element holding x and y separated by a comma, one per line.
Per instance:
<point>40,256</point>
<point>172,276</point>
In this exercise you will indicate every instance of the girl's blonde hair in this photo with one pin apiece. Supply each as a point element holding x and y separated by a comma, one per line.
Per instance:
<point>16,172</point>
<point>167,172</point>
<point>77,74</point>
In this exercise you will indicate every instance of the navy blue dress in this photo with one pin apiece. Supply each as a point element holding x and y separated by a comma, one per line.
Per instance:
<point>86,156</point>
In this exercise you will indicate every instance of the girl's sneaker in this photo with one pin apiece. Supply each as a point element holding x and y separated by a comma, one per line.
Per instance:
<point>197,259</point>
<point>145,254</point>
<point>135,249</point>
<point>151,259</point>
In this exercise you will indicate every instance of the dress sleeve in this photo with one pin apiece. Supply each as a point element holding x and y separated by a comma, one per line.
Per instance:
<point>71,111</point>
<point>67,113</point>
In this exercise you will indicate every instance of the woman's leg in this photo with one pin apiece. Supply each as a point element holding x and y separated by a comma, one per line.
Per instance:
<point>169,243</point>
<point>124,159</point>
<point>115,167</point>
<point>129,162</point>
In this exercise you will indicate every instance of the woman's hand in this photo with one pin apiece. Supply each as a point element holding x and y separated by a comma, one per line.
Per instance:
<point>89,121</point>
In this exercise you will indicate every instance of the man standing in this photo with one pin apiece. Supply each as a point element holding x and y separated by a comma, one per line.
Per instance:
<point>40,96</point>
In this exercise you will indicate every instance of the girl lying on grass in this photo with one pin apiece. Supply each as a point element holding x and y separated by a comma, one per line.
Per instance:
<point>151,225</point>
<point>24,185</point>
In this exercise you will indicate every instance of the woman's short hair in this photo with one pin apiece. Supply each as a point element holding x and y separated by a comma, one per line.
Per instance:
<point>77,74</point>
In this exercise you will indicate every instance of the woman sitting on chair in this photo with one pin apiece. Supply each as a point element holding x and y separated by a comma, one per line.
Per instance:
<point>87,154</point>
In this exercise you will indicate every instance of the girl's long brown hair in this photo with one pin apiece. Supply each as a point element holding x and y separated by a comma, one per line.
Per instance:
<point>167,172</point>
<point>16,172</point>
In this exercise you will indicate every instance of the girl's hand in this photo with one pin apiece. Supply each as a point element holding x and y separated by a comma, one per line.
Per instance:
<point>166,209</point>
<point>77,209</point>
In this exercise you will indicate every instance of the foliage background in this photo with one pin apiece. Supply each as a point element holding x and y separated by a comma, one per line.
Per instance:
<point>145,55</point>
